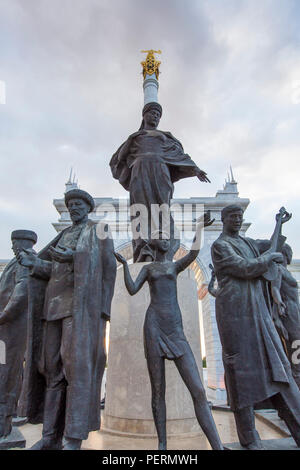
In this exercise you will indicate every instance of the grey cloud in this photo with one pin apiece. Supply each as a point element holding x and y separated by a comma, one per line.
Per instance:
<point>74,93</point>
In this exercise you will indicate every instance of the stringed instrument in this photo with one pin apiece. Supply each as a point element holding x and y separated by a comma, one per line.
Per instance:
<point>282,217</point>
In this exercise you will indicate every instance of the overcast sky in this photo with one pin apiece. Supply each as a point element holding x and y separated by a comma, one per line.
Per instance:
<point>229,87</point>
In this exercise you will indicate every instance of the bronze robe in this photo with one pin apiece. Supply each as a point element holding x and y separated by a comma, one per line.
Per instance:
<point>256,366</point>
<point>149,178</point>
<point>94,279</point>
<point>179,163</point>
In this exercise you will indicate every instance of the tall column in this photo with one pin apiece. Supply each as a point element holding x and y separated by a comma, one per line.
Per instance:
<point>150,86</point>
<point>151,74</point>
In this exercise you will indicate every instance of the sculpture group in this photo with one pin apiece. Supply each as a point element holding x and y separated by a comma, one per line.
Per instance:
<point>56,304</point>
<point>255,363</point>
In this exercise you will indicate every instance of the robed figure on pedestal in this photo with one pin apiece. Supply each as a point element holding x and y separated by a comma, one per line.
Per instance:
<point>147,165</point>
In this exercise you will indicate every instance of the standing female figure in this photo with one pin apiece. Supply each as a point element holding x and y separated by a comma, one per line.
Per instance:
<point>147,165</point>
<point>164,337</point>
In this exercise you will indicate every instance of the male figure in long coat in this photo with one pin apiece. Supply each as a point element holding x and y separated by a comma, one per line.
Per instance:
<point>13,327</point>
<point>69,301</point>
<point>256,366</point>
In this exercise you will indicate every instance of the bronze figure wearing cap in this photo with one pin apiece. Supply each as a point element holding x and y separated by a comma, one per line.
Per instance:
<point>72,282</point>
<point>13,328</point>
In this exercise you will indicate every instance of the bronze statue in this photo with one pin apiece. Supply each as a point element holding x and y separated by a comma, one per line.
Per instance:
<point>13,328</point>
<point>256,366</point>
<point>164,337</point>
<point>211,285</point>
<point>286,309</point>
<point>70,293</point>
<point>147,165</point>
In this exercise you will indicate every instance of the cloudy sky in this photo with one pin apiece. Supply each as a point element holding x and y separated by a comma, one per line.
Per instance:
<point>229,87</point>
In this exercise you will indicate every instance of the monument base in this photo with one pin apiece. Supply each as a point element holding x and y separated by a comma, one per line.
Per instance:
<point>14,440</point>
<point>145,428</point>
<point>128,391</point>
<point>286,443</point>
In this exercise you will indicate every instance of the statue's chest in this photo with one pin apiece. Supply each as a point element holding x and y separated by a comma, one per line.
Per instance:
<point>160,272</point>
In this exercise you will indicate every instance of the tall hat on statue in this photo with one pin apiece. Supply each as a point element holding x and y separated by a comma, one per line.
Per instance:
<point>150,85</point>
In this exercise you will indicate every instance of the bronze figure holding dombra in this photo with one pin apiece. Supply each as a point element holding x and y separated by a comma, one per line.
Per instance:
<point>164,336</point>
<point>255,364</point>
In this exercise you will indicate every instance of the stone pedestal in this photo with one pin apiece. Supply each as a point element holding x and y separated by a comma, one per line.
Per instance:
<point>128,392</point>
<point>287,443</point>
<point>14,440</point>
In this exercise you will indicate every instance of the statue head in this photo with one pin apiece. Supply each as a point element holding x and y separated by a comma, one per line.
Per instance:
<point>23,239</point>
<point>152,113</point>
<point>160,241</point>
<point>287,253</point>
<point>232,218</point>
<point>79,204</point>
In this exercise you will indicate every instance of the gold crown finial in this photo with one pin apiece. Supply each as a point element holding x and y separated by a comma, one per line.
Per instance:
<point>151,65</point>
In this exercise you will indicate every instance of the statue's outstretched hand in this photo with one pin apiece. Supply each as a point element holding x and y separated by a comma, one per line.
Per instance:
<point>205,219</point>
<point>120,258</point>
<point>26,258</point>
<point>286,215</point>
<point>202,176</point>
